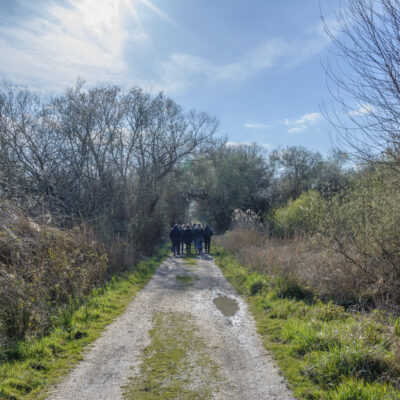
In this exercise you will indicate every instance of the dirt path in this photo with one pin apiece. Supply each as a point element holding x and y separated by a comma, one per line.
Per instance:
<point>231,342</point>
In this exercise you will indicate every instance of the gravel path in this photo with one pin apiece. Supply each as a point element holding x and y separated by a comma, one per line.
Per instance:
<point>231,341</point>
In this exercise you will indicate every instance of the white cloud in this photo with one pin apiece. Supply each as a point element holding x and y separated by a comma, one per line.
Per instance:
<point>238,144</point>
<point>249,125</point>
<point>363,109</point>
<point>302,123</point>
<point>182,71</point>
<point>87,38</point>
<point>84,38</point>
<point>297,129</point>
<point>309,118</point>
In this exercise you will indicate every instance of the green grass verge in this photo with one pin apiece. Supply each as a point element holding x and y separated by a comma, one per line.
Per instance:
<point>176,364</point>
<point>35,364</point>
<point>324,351</point>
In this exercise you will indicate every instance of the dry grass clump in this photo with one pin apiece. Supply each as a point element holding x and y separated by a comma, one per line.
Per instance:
<point>41,268</point>
<point>306,265</point>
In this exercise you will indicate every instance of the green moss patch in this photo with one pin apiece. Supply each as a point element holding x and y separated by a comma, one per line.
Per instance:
<point>186,279</point>
<point>190,260</point>
<point>176,364</point>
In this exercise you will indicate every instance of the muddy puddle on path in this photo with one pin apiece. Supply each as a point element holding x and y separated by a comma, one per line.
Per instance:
<point>229,307</point>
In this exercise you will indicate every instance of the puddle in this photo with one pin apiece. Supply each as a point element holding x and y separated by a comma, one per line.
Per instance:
<point>226,305</point>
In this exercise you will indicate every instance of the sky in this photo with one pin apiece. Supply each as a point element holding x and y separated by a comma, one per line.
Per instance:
<point>256,65</point>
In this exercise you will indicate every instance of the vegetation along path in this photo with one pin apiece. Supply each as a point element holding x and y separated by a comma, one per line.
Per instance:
<point>175,342</point>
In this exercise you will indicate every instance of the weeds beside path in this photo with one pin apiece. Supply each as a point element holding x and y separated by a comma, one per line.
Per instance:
<point>34,365</point>
<point>324,351</point>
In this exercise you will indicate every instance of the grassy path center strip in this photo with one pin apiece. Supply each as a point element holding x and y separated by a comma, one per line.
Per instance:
<point>176,364</point>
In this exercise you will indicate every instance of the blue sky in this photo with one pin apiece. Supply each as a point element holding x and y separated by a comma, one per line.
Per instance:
<point>254,64</point>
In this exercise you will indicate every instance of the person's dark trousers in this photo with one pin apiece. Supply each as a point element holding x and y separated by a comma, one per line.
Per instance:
<point>181,247</point>
<point>207,244</point>
<point>200,246</point>
<point>176,247</point>
<point>188,247</point>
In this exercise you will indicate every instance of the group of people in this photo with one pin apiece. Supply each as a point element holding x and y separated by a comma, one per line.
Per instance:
<point>182,235</point>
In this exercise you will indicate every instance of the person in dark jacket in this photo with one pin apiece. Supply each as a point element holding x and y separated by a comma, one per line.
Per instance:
<point>187,238</point>
<point>207,233</point>
<point>175,237</point>
<point>198,239</point>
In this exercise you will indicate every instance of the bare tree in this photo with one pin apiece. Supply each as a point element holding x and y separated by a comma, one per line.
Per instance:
<point>365,78</point>
<point>29,147</point>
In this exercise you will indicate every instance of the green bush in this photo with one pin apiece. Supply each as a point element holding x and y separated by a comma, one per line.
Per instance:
<point>371,363</point>
<point>255,283</point>
<point>308,336</point>
<point>287,286</point>
<point>297,215</point>
<point>328,312</point>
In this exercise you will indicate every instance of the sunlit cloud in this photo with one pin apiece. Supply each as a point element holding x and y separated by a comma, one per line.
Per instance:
<point>84,38</point>
<point>163,15</point>
<point>297,129</point>
<point>303,123</point>
<point>238,144</point>
<point>309,118</point>
<point>182,71</point>
<point>256,126</point>
<point>363,109</point>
